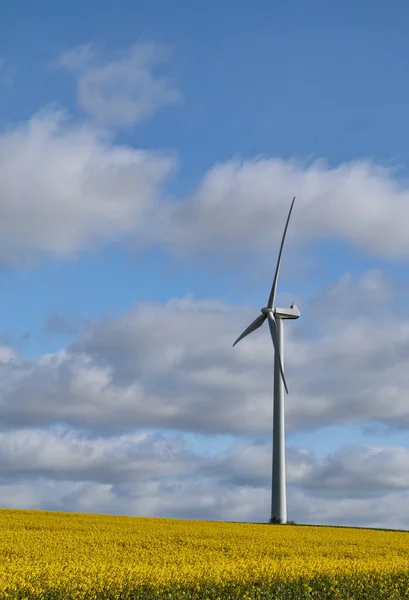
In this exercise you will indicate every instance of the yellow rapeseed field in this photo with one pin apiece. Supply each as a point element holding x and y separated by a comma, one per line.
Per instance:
<point>69,555</point>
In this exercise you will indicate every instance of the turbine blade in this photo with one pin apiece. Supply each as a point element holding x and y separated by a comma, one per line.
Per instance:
<point>252,327</point>
<point>272,297</point>
<point>274,337</point>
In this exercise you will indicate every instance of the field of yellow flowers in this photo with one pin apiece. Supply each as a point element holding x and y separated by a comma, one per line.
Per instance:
<point>54,555</point>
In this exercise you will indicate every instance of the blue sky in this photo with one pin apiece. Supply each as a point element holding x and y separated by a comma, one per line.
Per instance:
<point>287,85</point>
<point>304,82</point>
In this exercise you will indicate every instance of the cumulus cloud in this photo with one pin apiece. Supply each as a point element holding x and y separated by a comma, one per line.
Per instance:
<point>146,474</point>
<point>77,58</point>
<point>74,423</point>
<point>172,366</point>
<point>367,295</point>
<point>240,208</point>
<point>359,471</point>
<point>7,355</point>
<point>63,455</point>
<point>66,187</point>
<point>155,366</point>
<point>125,90</point>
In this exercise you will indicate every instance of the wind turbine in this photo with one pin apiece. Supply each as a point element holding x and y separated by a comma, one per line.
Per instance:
<point>275,317</point>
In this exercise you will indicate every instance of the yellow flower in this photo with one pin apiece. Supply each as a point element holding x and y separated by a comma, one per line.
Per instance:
<point>97,556</point>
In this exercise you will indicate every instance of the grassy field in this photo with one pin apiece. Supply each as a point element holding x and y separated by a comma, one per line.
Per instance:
<point>54,555</point>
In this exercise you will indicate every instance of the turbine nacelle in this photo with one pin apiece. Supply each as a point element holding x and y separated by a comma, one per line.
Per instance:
<point>282,313</point>
<point>287,313</point>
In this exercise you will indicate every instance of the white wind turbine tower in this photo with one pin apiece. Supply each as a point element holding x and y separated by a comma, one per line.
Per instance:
<point>275,318</point>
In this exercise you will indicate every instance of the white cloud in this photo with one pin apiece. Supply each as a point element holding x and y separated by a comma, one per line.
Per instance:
<point>172,366</point>
<point>357,471</point>
<point>155,366</point>
<point>7,355</point>
<point>361,471</point>
<point>125,90</point>
<point>78,58</point>
<point>148,475</point>
<point>240,207</point>
<point>66,187</point>
<point>63,455</point>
